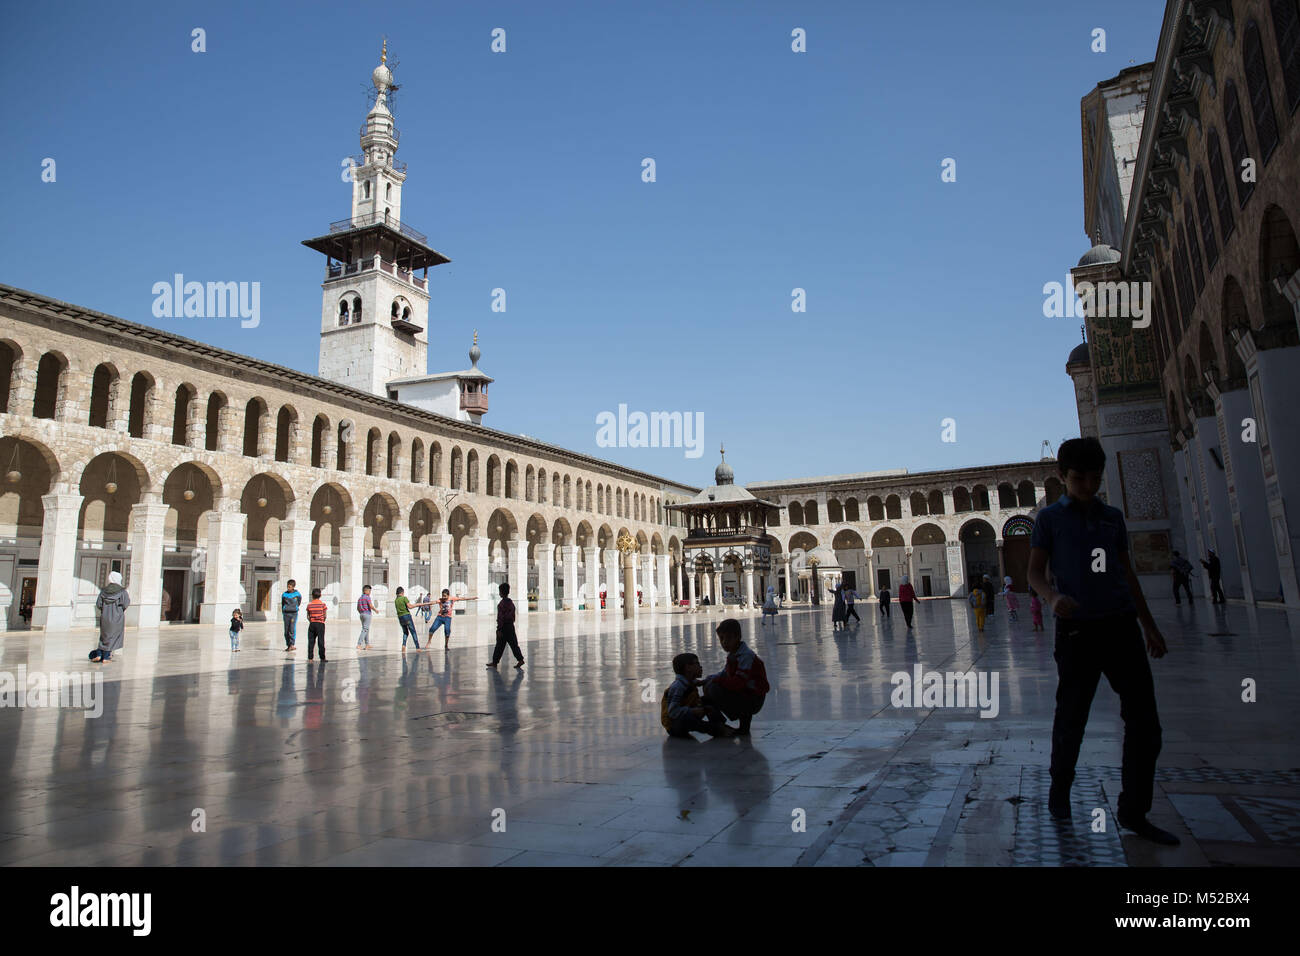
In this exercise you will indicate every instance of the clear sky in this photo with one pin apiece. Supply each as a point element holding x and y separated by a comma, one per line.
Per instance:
<point>775,170</point>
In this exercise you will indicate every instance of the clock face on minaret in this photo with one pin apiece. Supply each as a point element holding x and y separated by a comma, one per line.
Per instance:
<point>375,298</point>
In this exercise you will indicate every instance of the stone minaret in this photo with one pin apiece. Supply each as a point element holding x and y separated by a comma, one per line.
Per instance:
<point>375,308</point>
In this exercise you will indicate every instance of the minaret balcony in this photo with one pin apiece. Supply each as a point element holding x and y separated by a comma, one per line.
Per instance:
<point>476,402</point>
<point>378,219</point>
<point>391,131</point>
<point>336,270</point>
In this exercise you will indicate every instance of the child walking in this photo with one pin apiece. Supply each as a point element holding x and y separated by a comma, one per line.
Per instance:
<point>236,625</point>
<point>1013,602</point>
<point>365,610</point>
<point>506,629</point>
<point>402,604</point>
<point>315,624</point>
<point>979,601</point>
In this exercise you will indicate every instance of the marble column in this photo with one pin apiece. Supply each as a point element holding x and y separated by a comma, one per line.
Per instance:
<point>439,561</point>
<point>352,545</point>
<point>613,579</point>
<point>56,583</point>
<point>545,576</point>
<point>517,573</point>
<point>665,595</point>
<point>680,592</point>
<point>648,583</point>
<point>591,559</point>
<point>295,561</point>
<point>225,566</point>
<point>145,586</point>
<point>476,551</point>
<point>1002,565</point>
<point>690,589</point>
<point>911,574</point>
<point>871,574</point>
<point>748,574</point>
<point>570,554</point>
<point>397,551</point>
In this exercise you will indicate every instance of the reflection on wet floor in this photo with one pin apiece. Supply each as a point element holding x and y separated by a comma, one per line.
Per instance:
<point>202,757</point>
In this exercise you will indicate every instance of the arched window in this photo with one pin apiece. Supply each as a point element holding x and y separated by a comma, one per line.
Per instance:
<point>1286,30</point>
<point>1193,246</point>
<point>1261,97</point>
<point>344,311</point>
<point>318,441</point>
<point>141,399</point>
<point>851,510</point>
<point>181,413</point>
<point>356,310</point>
<point>1222,198</point>
<point>1207,220</point>
<point>1238,148</point>
<point>388,191</point>
<point>102,384</point>
<point>367,188</point>
<point>212,435</point>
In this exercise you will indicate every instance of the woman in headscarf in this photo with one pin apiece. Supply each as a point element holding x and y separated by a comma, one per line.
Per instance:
<point>769,606</point>
<point>111,605</point>
<point>839,613</point>
<point>906,595</point>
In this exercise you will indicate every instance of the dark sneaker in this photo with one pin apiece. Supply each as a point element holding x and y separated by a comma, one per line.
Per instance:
<point>1149,831</point>
<point>519,664</point>
<point>491,664</point>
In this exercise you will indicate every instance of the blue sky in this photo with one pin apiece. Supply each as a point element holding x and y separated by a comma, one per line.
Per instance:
<point>775,170</point>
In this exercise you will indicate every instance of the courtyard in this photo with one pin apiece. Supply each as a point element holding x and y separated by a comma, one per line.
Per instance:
<point>206,757</point>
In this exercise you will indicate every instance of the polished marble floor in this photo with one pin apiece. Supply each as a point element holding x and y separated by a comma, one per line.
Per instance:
<point>204,757</point>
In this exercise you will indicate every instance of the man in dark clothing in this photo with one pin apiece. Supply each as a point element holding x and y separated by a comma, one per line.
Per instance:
<point>1098,605</point>
<point>506,629</point>
<point>987,587</point>
<point>1180,570</point>
<point>1214,568</point>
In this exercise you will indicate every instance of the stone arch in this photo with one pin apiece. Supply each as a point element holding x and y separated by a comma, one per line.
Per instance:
<point>1207,354</point>
<point>462,523</point>
<point>928,533</point>
<point>266,499</point>
<point>851,510</point>
<point>1006,495</point>
<point>657,543</point>
<point>190,491</point>
<point>28,471</point>
<point>435,463</point>
<point>875,508</point>
<point>104,383</point>
<point>961,502</point>
<point>893,508</point>
<point>847,539</point>
<point>424,519</point>
<point>803,541</point>
<point>393,457</point>
<point>530,484</point>
<point>935,501</point>
<point>917,504</point>
<point>1026,494</point>
<point>471,471</point>
<point>493,486</point>
<point>537,532</point>
<point>834,511</point>
<point>1234,315</point>
<point>380,516</point>
<point>587,504</point>
<point>457,468</point>
<point>810,512</point>
<point>887,537</point>
<point>1053,487</point>
<point>286,433</point>
<point>795,510</point>
<point>140,414</point>
<point>568,491</point>
<point>585,535</point>
<point>979,498</point>
<point>417,461</point>
<point>343,447</point>
<point>331,509</point>
<point>373,437</point>
<point>111,483</point>
<point>11,357</point>
<point>512,479</point>
<point>183,402</point>
<point>541,486</point>
<point>562,532</point>
<point>51,385</point>
<point>1279,260</point>
<point>256,418</point>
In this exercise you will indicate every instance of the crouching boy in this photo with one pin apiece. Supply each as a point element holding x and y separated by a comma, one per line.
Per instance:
<point>739,689</point>
<point>681,711</point>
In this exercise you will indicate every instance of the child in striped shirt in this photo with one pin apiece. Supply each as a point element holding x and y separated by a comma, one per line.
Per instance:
<point>315,624</point>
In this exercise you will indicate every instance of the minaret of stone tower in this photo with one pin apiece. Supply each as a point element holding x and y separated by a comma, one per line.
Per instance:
<point>375,307</point>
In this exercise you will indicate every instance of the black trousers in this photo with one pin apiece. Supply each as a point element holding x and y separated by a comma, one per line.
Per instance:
<point>506,635</point>
<point>710,723</point>
<point>1186,585</point>
<point>1216,591</point>
<point>1084,651</point>
<point>884,608</point>
<point>734,704</point>
<point>315,634</point>
<point>848,609</point>
<point>907,611</point>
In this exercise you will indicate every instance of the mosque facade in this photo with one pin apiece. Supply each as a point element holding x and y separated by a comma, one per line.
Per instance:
<point>210,479</point>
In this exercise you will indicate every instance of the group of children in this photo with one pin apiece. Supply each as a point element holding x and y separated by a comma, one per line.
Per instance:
<point>981,600</point>
<point>291,600</point>
<point>735,692</point>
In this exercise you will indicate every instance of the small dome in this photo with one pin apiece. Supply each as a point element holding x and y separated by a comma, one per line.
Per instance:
<point>1100,254</point>
<point>723,475</point>
<point>474,353</point>
<point>1079,354</point>
<point>382,77</point>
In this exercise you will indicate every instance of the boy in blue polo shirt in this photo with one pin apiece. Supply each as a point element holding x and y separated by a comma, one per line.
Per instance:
<point>1098,604</point>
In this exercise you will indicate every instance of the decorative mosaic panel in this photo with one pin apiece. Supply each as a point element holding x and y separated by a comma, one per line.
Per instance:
<point>1135,417</point>
<point>1149,551</point>
<point>1140,479</point>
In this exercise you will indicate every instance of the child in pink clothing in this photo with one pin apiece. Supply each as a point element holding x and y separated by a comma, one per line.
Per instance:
<point>1036,610</point>
<point>1013,602</point>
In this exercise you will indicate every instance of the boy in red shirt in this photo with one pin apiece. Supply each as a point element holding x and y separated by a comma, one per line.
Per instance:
<point>739,689</point>
<point>506,629</point>
<point>315,624</point>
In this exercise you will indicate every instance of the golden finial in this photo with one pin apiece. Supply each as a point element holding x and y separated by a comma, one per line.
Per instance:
<point>383,55</point>
<point>476,336</point>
